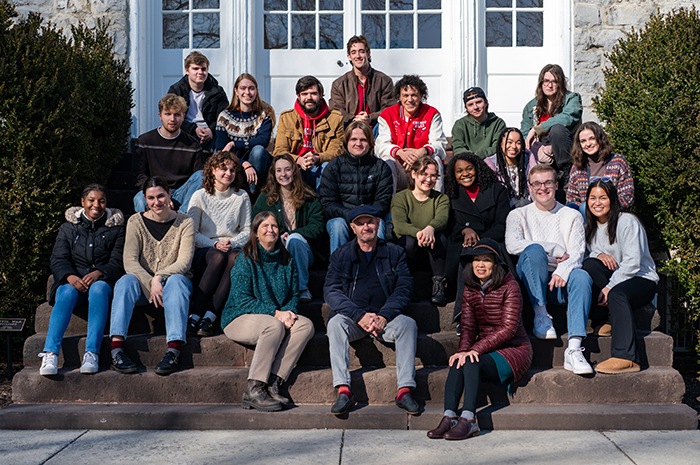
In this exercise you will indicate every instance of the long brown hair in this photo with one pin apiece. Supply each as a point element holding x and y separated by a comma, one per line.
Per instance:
<point>300,190</point>
<point>605,148</point>
<point>542,107</point>
<point>218,160</point>
<point>250,248</point>
<point>259,105</point>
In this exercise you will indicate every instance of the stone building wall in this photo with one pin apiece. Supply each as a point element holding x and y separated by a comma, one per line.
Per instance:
<point>64,13</point>
<point>598,25</point>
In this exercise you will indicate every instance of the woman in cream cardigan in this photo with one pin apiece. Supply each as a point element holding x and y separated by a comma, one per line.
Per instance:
<point>158,253</point>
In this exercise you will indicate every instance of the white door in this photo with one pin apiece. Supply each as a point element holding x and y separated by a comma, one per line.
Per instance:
<point>302,37</point>
<point>520,37</point>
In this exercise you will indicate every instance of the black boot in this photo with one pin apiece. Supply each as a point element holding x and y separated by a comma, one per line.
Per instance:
<point>257,397</point>
<point>274,387</point>
<point>439,298</point>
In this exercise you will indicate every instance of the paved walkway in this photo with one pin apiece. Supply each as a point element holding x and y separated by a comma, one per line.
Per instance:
<point>364,447</point>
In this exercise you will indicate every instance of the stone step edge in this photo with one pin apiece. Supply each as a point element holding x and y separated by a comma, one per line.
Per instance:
<point>318,416</point>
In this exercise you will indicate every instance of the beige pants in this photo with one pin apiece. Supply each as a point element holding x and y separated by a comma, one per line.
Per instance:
<point>276,349</point>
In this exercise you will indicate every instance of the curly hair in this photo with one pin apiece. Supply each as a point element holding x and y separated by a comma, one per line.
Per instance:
<point>259,105</point>
<point>419,166</point>
<point>411,80</point>
<point>520,163</point>
<point>485,177</point>
<point>300,190</point>
<point>218,160</point>
<point>542,107</point>
<point>605,148</point>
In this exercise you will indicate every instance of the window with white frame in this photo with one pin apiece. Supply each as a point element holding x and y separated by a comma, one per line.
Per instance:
<point>191,24</point>
<point>303,24</point>
<point>514,23</point>
<point>402,24</point>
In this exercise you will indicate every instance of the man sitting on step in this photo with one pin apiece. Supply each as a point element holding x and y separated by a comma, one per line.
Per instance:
<point>368,286</point>
<point>550,240</point>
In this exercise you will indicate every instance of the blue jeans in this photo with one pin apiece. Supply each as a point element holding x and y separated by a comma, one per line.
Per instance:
<point>401,331</point>
<point>182,194</point>
<point>300,250</point>
<point>260,158</point>
<point>312,177</point>
<point>532,270</point>
<point>339,231</point>
<point>67,297</point>
<point>176,302</point>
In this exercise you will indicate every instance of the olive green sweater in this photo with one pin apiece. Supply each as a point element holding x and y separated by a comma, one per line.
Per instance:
<point>410,216</point>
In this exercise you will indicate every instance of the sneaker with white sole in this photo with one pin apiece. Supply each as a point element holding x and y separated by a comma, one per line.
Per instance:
<point>543,327</point>
<point>91,363</point>
<point>49,364</point>
<point>575,361</point>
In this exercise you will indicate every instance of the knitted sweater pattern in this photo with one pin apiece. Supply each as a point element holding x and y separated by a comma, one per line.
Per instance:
<point>616,169</point>
<point>221,216</point>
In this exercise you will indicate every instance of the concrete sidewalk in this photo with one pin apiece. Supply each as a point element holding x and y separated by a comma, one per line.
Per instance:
<point>346,447</point>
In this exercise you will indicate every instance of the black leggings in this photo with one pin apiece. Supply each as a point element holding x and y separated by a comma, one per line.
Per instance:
<point>436,255</point>
<point>215,282</point>
<point>467,379</point>
<point>622,300</point>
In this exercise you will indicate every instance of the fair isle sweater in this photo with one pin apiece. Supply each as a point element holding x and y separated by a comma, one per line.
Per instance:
<point>261,288</point>
<point>558,231</point>
<point>222,216</point>
<point>616,169</point>
<point>244,129</point>
<point>630,250</point>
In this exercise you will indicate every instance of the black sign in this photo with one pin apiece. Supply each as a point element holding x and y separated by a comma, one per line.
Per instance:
<point>12,324</point>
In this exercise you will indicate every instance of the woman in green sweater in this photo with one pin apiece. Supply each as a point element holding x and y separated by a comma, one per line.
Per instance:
<point>262,311</point>
<point>298,212</point>
<point>420,214</point>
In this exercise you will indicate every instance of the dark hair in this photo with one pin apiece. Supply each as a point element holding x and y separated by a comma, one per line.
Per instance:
<point>250,248</point>
<point>497,275</point>
<point>419,166</point>
<point>485,177</point>
<point>359,40</point>
<point>542,107</point>
<point>259,105</point>
<point>218,160</point>
<point>307,82</point>
<point>411,80</point>
<point>605,148</point>
<point>366,129</point>
<point>521,160</point>
<point>613,215</point>
<point>93,187</point>
<point>300,190</point>
<point>155,181</point>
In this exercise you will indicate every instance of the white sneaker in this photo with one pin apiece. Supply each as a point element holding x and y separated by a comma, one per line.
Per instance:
<point>305,296</point>
<point>574,361</point>
<point>91,363</point>
<point>543,328</point>
<point>49,364</point>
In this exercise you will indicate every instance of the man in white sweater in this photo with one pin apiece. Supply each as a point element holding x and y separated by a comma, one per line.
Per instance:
<point>550,240</point>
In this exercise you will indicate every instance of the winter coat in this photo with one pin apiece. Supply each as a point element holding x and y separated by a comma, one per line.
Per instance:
<point>327,139</point>
<point>468,135</point>
<point>215,101</point>
<point>493,322</point>
<point>486,215</point>
<point>569,115</point>
<point>345,97</point>
<point>83,246</point>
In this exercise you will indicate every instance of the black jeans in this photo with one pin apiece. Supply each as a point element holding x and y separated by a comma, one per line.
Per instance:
<point>622,300</point>
<point>467,379</point>
<point>436,255</point>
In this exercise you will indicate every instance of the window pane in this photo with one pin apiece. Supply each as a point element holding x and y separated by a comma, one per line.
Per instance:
<point>330,5</point>
<point>499,29</point>
<point>303,5</point>
<point>374,29</point>
<point>429,31</point>
<point>202,4</point>
<point>529,4</point>
<point>205,30</point>
<point>373,5</point>
<point>275,5</point>
<point>330,29</point>
<point>429,4</point>
<point>499,3</point>
<point>275,31</point>
<point>169,5</point>
<point>400,31</point>
<point>529,29</point>
<point>303,31</point>
<point>176,31</point>
<point>401,4</point>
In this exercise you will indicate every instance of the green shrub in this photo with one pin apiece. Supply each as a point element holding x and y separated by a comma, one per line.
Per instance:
<point>651,110</point>
<point>64,122</point>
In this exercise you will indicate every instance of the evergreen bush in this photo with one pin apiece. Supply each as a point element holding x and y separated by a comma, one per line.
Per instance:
<point>651,110</point>
<point>64,122</point>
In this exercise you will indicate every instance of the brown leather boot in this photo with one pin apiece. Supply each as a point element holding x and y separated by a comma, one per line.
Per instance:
<point>274,386</point>
<point>444,426</point>
<point>463,429</point>
<point>257,397</point>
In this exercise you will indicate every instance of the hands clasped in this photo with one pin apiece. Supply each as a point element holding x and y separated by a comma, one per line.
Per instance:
<point>372,323</point>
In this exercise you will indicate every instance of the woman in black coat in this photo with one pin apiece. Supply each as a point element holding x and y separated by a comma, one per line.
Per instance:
<point>86,262</point>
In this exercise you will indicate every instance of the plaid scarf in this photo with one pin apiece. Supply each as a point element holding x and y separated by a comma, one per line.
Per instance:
<point>310,125</point>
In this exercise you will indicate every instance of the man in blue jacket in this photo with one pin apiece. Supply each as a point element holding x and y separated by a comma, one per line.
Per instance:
<point>368,286</point>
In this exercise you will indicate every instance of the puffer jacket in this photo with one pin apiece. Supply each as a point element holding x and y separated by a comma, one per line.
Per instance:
<point>215,101</point>
<point>493,322</point>
<point>83,246</point>
<point>348,182</point>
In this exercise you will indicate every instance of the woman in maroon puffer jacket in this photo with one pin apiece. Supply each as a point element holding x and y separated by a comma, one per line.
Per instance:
<point>493,345</point>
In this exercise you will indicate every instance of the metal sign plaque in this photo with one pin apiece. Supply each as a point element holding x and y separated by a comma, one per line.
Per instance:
<point>12,324</point>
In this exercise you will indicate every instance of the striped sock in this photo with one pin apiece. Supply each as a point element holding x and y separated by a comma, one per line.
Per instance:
<point>402,392</point>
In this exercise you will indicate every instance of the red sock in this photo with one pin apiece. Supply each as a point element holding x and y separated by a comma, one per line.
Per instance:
<point>344,390</point>
<point>402,392</point>
<point>117,344</point>
<point>175,345</point>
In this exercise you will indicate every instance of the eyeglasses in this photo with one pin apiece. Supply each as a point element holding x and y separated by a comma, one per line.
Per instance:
<point>547,184</point>
<point>547,82</point>
<point>432,177</point>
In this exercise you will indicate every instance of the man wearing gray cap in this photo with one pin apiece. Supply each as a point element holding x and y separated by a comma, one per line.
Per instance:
<point>368,286</point>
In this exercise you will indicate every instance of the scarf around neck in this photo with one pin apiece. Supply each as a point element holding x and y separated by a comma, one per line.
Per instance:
<point>310,125</point>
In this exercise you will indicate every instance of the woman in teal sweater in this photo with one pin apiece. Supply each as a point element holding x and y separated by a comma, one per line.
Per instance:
<point>262,311</point>
<point>298,212</point>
